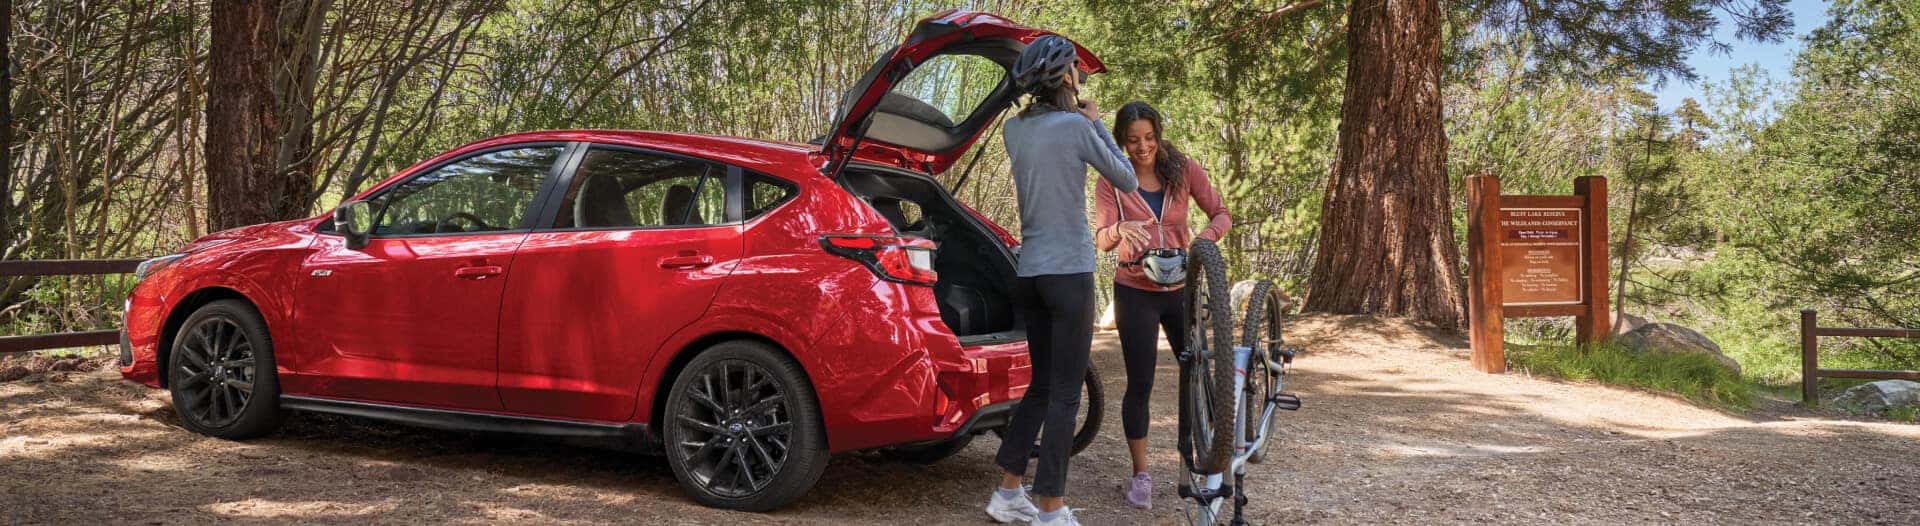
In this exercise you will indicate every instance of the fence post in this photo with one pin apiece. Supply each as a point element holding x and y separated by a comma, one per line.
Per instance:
<point>1809,359</point>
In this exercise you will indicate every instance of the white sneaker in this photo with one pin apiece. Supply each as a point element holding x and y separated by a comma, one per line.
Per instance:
<point>1006,510</point>
<point>1065,518</point>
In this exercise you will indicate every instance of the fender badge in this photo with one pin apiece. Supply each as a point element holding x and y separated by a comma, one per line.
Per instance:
<point>321,273</point>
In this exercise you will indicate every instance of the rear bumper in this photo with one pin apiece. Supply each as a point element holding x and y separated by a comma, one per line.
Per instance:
<point>931,395</point>
<point>988,418</point>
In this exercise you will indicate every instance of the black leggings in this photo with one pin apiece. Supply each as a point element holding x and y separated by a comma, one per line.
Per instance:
<point>1059,314</point>
<point>1140,315</point>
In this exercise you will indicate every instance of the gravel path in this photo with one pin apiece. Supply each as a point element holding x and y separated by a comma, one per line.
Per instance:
<point>1396,429</point>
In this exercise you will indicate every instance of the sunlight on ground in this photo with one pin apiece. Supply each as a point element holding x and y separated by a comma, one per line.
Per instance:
<point>316,509</point>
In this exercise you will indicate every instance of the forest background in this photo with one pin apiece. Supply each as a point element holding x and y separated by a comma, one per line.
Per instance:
<point>1731,212</point>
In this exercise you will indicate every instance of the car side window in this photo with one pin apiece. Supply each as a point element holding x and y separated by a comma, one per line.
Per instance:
<point>489,192</point>
<point>764,193</point>
<point>615,188</point>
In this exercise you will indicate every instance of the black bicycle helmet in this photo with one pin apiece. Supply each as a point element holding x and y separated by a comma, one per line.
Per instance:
<point>1044,64</point>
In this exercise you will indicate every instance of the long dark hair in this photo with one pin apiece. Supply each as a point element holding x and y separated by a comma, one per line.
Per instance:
<point>1168,162</point>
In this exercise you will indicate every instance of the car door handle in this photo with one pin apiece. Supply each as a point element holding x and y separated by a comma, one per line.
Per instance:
<point>686,261</point>
<point>481,272</point>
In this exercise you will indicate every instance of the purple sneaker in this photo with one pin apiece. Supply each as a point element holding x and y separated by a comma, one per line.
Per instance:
<point>1140,491</point>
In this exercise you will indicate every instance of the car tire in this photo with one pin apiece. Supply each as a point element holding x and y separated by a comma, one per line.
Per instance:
<point>742,428</point>
<point>220,371</point>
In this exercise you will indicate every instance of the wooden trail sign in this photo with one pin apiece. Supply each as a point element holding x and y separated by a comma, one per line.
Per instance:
<point>1534,256</point>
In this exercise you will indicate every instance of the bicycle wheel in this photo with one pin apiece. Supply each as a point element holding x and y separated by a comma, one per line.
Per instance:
<point>1261,333</point>
<point>1206,372</point>
<point>1093,407</point>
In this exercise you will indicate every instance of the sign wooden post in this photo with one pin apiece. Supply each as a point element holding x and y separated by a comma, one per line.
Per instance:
<point>1485,330</point>
<point>1596,325</point>
<point>1534,256</point>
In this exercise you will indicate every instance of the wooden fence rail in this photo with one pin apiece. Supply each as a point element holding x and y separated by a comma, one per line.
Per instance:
<point>63,267</point>
<point>1810,371</point>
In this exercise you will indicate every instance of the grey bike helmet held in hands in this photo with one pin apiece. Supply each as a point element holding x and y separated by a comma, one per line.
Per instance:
<point>1044,64</point>
<point>1166,267</point>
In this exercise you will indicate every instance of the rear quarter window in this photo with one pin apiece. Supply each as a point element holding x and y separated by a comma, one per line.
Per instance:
<point>765,193</point>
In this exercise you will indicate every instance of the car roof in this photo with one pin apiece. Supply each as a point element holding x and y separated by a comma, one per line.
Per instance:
<point>794,161</point>
<point>757,154</point>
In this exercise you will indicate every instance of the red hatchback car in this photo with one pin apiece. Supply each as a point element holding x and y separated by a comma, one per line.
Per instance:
<point>745,307</point>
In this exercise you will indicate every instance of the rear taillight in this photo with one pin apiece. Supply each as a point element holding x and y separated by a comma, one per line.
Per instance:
<point>893,258</point>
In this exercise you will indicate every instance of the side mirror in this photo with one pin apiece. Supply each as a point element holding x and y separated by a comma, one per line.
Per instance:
<point>353,220</point>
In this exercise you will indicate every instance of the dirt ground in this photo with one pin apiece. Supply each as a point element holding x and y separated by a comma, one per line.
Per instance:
<point>1396,429</point>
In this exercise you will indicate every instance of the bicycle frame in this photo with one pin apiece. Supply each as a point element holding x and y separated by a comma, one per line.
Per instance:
<point>1209,486</point>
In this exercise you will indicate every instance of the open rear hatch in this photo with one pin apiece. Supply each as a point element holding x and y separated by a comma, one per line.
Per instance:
<point>926,101</point>
<point>912,115</point>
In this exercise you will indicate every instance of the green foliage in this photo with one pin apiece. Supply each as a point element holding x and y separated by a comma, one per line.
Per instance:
<point>1811,199</point>
<point>1747,212</point>
<point>1696,377</point>
<point>1601,42</point>
<point>1905,413</point>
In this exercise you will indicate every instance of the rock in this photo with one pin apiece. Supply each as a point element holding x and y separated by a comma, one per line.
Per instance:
<point>1667,337</point>
<point>37,363</point>
<point>1106,319</point>
<point>13,372</point>
<point>1242,292</point>
<point>1877,398</point>
<point>1627,323</point>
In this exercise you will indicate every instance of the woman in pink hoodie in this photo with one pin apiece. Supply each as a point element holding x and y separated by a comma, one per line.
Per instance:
<point>1131,227</point>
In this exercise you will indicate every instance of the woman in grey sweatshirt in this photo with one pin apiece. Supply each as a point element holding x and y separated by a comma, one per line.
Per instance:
<point>1051,143</point>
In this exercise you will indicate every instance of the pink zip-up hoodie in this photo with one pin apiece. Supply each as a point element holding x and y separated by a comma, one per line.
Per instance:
<point>1167,231</point>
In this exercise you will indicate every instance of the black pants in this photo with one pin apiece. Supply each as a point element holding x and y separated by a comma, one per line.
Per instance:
<point>1059,314</point>
<point>1140,315</point>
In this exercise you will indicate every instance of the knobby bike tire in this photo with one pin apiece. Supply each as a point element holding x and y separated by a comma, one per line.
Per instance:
<point>1088,428</point>
<point>1206,376</point>
<point>1261,332</point>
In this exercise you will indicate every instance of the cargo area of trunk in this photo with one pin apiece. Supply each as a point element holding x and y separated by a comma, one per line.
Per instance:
<point>976,270</point>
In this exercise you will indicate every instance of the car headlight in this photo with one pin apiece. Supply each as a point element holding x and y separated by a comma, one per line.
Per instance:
<point>148,267</point>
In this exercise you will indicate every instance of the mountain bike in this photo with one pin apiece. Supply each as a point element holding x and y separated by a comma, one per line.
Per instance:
<point>1228,393</point>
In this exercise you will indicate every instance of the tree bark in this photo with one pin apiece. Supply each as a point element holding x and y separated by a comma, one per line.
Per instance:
<point>1633,214</point>
<point>259,112</point>
<point>6,128</point>
<point>293,87</point>
<point>1386,226</point>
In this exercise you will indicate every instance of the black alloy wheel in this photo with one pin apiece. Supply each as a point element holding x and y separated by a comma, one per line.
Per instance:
<point>742,428</point>
<point>740,438</point>
<point>221,372</point>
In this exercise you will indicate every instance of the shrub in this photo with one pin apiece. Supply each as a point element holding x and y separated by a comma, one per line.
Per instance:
<point>1696,377</point>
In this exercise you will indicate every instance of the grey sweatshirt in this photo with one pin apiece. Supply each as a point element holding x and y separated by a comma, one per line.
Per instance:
<point>1051,152</point>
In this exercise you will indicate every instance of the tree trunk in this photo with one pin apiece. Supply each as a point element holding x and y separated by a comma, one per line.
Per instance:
<point>1386,227</point>
<point>259,125</point>
<point>293,88</point>
<point>6,129</point>
<point>1633,213</point>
